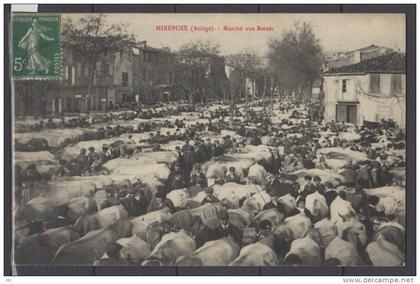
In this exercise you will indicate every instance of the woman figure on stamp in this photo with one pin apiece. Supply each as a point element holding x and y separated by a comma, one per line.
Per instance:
<point>30,42</point>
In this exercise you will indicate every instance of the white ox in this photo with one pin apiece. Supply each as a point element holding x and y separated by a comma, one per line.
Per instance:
<point>257,254</point>
<point>214,253</point>
<point>229,193</point>
<point>44,161</point>
<point>56,137</point>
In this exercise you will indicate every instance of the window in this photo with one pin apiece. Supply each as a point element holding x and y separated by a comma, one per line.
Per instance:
<point>374,83</point>
<point>86,70</point>
<point>79,69</point>
<point>99,68</point>
<point>73,75</point>
<point>396,84</point>
<point>344,86</point>
<point>150,75</point>
<point>68,105</point>
<point>144,74</point>
<point>67,72</point>
<point>70,74</point>
<point>125,79</point>
<point>107,69</point>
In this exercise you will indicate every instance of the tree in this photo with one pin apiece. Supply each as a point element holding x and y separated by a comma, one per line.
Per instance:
<point>92,39</point>
<point>246,64</point>
<point>193,67</point>
<point>296,59</point>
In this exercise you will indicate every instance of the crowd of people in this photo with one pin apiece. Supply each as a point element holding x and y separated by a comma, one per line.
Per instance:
<point>297,147</point>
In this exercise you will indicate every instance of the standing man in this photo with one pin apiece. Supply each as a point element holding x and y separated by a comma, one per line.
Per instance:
<point>189,156</point>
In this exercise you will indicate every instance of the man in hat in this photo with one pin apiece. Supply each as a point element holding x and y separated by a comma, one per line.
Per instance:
<point>231,176</point>
<point>81,162</point>
<point>227,142</point>
<point>209,149</point>
<point>189,156</point>
<point>176,178</point>
<point>349,174</point>
<point>308,162</point>
<point>301,209</point>
<point>93,159</point>
<point>198,178</point>
<point>210,198</point>
<point>217,149</point>
<point>330,193</point>
<point>224,229</point>
<point>103,157</point>
<point>316,185</point>
<point>135,202</point>
<point>274,203</point>
<point>160,201</point>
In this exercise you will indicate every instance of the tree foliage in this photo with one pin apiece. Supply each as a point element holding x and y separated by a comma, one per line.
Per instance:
<point>93,39</point>
<point>193,65</point>
<point>296,58</point>
<point>246,64</point>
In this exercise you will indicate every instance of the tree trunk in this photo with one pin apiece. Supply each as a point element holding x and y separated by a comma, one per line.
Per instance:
<point>191,97</point>
<point>246,104</point>
<point>231,104</point>
<point>271,101</point>
<point>90,87</point>
<point>264,95</point>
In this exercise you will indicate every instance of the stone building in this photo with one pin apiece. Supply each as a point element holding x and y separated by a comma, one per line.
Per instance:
<point>112,84</point>
<point>153,73</point>
<point>340,59</point>
<point>141,73</point>
<point>368,91</point>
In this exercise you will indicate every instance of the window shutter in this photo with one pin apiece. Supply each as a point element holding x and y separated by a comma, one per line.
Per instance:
<point>396,84</point>
<point>374,83</point>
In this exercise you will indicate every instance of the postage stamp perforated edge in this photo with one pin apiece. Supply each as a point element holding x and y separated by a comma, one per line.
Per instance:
<point>15,77</point>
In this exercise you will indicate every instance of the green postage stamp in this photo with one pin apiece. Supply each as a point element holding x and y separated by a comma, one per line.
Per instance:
<point>36,47</point>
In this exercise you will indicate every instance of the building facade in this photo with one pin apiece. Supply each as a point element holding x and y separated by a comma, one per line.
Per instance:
<point>112,84</point>
<point>368,91</point>
<point>153,71</point>
<point>142,74</point>
<point>341,59</point>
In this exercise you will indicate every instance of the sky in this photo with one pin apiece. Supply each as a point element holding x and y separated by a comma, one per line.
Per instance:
<point>337,32</point>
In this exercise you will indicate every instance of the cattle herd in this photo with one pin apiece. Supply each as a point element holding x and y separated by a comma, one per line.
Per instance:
<point>209,185</point>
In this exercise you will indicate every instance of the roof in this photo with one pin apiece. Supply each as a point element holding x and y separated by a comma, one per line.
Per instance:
<point>136,49</point>
<point>389,63</point>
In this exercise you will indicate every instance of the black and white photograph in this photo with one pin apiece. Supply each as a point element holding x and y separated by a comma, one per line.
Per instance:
<point>213,140</point>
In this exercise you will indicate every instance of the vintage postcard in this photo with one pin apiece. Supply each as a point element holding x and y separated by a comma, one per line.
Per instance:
<point>209,139</point>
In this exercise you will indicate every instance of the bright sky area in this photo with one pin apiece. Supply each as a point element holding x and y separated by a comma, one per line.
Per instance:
<point>337,32</point>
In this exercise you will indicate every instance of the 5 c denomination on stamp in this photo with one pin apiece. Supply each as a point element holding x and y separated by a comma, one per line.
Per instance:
<point>36,47</point>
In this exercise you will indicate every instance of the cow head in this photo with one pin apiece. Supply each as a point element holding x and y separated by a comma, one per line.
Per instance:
<point>354,232</point>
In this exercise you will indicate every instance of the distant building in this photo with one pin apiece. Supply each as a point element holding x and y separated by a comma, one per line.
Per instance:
<point>341,59</point>
<point>368,91</point>
<point>153,71</point>
<point>112,83</point>
<point>142,73</point>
